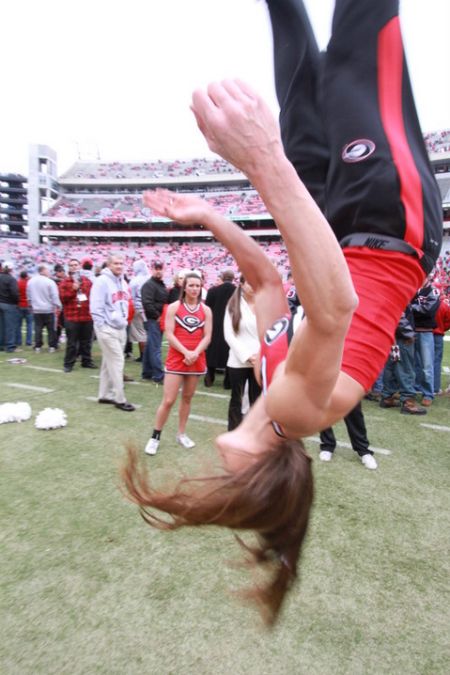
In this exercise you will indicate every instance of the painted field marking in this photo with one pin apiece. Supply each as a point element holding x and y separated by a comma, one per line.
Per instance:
<point>436,427</point>
<point>211,394</point>
<point>315,439</point>
<point>47,370</point>
<point>16,385</point>
<point>342,444</point>
<point>211,420</point>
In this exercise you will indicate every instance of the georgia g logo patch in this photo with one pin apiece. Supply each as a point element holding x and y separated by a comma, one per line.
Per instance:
<point>279,328</point>
<point>358,151</point>
<point>189,322</point>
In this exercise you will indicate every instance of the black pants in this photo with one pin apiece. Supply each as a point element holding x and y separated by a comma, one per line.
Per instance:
<point>349,123</point>
<point>47,321</point>
<point>238,378</point>
<point>357,432</point>
<point>79,342</point>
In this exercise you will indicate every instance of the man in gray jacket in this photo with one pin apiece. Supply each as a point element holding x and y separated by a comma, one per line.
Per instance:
<point>109,309</point>
<point>43,298</point>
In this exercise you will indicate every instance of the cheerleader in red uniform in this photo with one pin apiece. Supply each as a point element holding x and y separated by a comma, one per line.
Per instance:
<point>188,330</point>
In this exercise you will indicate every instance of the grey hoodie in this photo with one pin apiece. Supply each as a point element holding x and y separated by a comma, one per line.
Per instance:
<point>42,295</point>
<point>141,274</point>
<point>109,300</point>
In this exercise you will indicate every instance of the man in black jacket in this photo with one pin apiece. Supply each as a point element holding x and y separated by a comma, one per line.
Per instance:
<point>154,295</point>
<point>217,299</point>
<point>9,313</point>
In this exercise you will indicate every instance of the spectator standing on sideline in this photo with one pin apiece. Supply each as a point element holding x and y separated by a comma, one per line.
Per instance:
<point>138,327</point>
<point>399,372</point>
<point>425,305</point>
<point>74,292</point>
<point>442,326</point>
<point>24,311</point>
<point>9,314</point>
<point>357,432</point>
<point>109,310</point>
<point>86,269</point>
<point>241,335</point>
<point>59,274</point>
<point>43,298</point>
<point>217,299</point>
<point>154,296</point>
<point>175,291</point>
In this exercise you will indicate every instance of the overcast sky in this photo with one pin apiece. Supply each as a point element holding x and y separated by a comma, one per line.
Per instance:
<point>117,77</point>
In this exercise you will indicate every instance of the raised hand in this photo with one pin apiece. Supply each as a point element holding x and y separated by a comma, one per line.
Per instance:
<point>184,209</point>
<point>236,123</point>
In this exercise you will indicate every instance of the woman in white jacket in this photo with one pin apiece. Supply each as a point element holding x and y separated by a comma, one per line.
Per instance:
<point>241,334</point>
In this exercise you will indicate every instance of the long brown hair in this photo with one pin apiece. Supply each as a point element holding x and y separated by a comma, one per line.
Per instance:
<point>272,496</point>
<point>234,306</point>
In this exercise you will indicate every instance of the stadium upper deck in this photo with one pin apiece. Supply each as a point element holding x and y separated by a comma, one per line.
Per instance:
<point>102,200</point>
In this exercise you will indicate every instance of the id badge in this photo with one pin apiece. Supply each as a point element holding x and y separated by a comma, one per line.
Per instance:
<point>81,297</point>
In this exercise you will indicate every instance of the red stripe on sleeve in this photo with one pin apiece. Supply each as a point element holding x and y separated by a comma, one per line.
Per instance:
<point>390,72</point>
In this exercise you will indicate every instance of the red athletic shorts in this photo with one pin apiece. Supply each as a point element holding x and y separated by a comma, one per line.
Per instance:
<point>385,282</point>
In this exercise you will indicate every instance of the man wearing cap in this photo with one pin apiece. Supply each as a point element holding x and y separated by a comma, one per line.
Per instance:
<point>9,314</point>
<point>154,295</point>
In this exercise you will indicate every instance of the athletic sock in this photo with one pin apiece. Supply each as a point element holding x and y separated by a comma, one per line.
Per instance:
<point>156,434</point>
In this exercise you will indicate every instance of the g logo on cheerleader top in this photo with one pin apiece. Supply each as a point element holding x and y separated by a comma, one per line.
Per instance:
<point>358,151</point>
<point>189,322</point>
<point>279,328</point>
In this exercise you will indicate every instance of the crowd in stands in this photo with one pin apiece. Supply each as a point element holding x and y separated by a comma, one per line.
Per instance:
<point>130,207</point>
<point>146,170</point>
<point>207,256</point>
<point>438,141</point>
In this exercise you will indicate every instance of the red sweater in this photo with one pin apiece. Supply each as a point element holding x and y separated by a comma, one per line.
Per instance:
<point>75,302</point>
<point>442,317</point>
<point>22,286</point>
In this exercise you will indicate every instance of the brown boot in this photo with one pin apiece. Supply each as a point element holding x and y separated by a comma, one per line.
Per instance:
<point>411,407</point>
<point>389,402</point>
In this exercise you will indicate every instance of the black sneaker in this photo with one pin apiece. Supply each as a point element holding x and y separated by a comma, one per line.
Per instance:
<point>128,407</point>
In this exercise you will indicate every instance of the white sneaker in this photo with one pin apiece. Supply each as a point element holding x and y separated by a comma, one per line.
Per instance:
<point>369,461</point>
<point>325,455</point>
<point>51,350</point>
<point>185,441</point>
<point>152,447</point>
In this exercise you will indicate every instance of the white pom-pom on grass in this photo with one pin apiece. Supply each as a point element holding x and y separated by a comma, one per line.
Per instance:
<point>14,412</point>
<point>51,418</point>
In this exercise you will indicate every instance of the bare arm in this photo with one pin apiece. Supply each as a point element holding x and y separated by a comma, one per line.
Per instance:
<point>270,300</point>
<point>238,125</point>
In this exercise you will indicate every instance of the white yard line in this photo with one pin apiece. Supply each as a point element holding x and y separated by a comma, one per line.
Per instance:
<point>47,370</point>
<point>436,427</point>
<point>342,444</point>
<point>16,385</point>
<point>207,393</point>
<point>210,420</point>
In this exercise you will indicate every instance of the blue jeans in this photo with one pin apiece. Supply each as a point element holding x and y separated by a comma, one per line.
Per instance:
<point>438,354</point>
<point>400,375</point>
<point>9,316</point>
<point>425,363</point>
<point>27,314</point>
<point>151,360</point>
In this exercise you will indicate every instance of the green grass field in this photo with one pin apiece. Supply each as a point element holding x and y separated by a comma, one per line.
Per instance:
<point>87,587</point>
